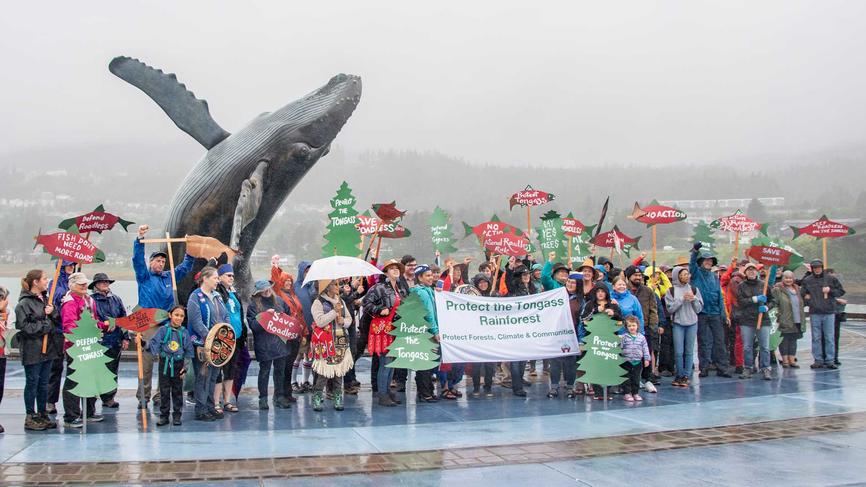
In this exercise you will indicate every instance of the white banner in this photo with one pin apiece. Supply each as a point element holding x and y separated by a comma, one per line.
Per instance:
<point>482,329</point>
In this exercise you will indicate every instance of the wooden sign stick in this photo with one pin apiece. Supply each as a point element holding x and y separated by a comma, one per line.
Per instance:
<point>824,248</point>
<point>168,241</point>
<point>766,285</point>
<point>51,299</point>
<point>141,383</point>
<point>570,245</point>
<point>737,245</point>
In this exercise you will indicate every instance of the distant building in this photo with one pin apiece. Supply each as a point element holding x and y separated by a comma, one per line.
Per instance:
<point>711,209</point>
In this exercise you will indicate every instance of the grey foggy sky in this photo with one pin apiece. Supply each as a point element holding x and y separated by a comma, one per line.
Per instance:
<point>566,83</point>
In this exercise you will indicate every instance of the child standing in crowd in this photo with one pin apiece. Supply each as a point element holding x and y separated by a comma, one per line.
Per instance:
<point>172,344</point>
<point>637,356</point>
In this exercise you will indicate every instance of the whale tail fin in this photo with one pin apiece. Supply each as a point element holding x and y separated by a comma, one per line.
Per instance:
<point>187,112</point>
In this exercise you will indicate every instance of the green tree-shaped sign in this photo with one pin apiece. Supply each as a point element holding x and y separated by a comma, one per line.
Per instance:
<point>551,238</point>
<point>601,363</point>
<point>440,228</point>
<point>704,235</point>
<point>413,346</point>
<point>89,360</point>
<point>342,237</point>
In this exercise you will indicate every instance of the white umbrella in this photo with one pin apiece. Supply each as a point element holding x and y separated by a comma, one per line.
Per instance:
<point>338,267</point>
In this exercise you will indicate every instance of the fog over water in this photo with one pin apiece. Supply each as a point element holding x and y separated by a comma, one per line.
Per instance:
<point>551,83</point>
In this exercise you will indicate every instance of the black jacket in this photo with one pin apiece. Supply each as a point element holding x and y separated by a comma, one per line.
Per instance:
<point>382,296</point>
<point>518,289</point>
<point>746,309</point>
<point>32,324</point>
<point>818,304</point>
<point>266,345</point>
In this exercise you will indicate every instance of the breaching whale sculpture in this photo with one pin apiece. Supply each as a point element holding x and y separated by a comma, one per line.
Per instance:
<point>235,189</point>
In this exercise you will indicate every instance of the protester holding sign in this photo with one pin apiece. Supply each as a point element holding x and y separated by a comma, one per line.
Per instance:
<point>380,304</point>
<point>684,302</point>
<point>154,291</point>
<point>566,366</point>
<point>271,352</point>
<point>523,286</point>
<point>75,303</point>
<point>205,309</point>
<point>36,317</point>
<point>425,278</point>
<point>820,291</point>
<point>109,305</point>
<point>752,303</point>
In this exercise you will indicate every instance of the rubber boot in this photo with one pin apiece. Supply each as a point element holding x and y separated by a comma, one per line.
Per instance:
<point>338,400</point>
<point>318,399</point>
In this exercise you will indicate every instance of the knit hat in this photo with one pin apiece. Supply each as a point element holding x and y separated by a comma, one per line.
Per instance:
<point>421,269</point>
<point>630,271</point>
<point>225,269</point>
<point>536,267</point>
<point>576,276</point>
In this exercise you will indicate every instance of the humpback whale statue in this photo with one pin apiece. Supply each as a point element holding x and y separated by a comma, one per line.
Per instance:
<point>235,189</point>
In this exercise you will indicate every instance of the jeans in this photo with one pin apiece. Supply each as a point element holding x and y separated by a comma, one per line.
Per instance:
<point>384,375</point>
<point>712,350</point>
<point>560,366</point>
<point>36,386</point>
<point>748,334</point>
<point>684,349</point>
<point>455,375</point>
<point>205,385</point>
<point>279,366</point>
<point>517,369</point>
<point>823,330</point>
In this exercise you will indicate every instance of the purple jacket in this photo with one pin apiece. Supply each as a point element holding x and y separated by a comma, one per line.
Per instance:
<point>634,348</point>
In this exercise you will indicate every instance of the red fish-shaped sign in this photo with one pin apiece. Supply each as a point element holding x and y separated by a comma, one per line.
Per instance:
<point>96,221</point>
<point>367,225</point>
<point>769,255</point>
<point>140,320</point>
<point>285,327</point>
<point>572,227</point>
<point>530,197</point>
<point>70,246</point>
<point>609,239</point>
<point>656,214</point>
<point>393,230</point>
<point>388,212</point>
<point>738,222</point>
<point>208,248</point>
<point>824,228</point>
<point>490,228</point>
<point>507,244</point>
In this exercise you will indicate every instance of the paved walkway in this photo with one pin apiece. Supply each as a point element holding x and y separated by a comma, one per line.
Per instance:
<point>489,432</point>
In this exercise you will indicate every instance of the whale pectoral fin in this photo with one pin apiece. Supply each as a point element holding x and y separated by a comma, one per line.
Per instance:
<point>249,202</point>
<point>187,112</point>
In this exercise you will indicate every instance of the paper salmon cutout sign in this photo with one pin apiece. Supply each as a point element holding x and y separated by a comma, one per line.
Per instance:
<point>572,227</point>
<point>70,246</point>
<point>490,228</point>
<point>530,197</point>
<point>285,327</point>
<point>97,221</point>
<point>771,252</point>
<point>140,320</point>
<point>738,222</point>
<point>609,239</point>
<point>393,230</point>
<point>656,214</point>
<point>507,244</point>
<point>824,228</point>
<point>388,212</point>
<point>367,225</point>
<point>208,248</point>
